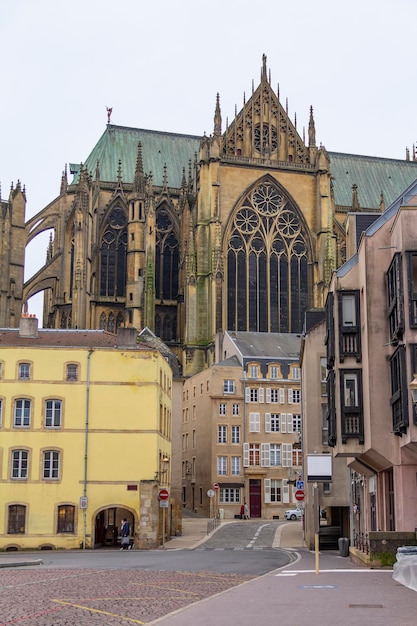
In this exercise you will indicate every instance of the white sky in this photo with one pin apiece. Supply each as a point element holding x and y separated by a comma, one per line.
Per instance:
<point>160,65</point>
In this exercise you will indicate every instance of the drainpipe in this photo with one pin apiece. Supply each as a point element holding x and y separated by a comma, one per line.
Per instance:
<point>87,417</point>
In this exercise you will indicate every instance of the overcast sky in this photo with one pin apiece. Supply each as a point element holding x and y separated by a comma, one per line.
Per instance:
<point>159,65</point>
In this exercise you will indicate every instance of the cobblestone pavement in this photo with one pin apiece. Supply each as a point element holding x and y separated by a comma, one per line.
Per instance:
<point>87,597</point>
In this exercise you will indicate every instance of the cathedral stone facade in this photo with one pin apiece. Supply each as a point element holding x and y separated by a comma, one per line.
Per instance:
<point>240,230</point>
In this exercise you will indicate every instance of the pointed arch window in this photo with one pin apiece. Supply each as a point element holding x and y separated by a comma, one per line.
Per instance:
<point>167,257</point>
<point>113,250</point>
<point>267,258</point>
<point>103,321</point>
<point>110,323</point>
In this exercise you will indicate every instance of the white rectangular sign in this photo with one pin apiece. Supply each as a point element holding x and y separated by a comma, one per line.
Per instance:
<point>319,468</point>
<point>163,504</point>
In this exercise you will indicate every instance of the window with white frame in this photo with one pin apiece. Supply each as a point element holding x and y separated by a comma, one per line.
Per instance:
<point>228,386</point>
<point>253,371</point>
<point>297,457</point>
<point>66,518</point>
<point>229,495</point>
<point>254,453</point>
<point>222,465</point>
<point>273,372</point>
<point>286,422</point>
<point>275,454</point>
<point>294,396</point>
<point>222,408</point>
<point>296,423</point>
<point>222,433</point>
<point>323,375</point>
<point>254,422</point>
<point>325,424</point>
<point>22,408</point>
<point>274,397</point>
<point>24,371</point>
<point>252,394</point>
<point>20,464</point>
<point>1,370</point>
<point>235,434</point>
<point>276,487</point>
<point>53,409</point>
<point>235,409</point>
<point>275,419</point>
<point>295,373</point>
<point>236,462</point>
<point>51,465</point>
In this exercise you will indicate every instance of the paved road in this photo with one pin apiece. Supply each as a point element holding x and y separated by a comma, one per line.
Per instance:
<point>110,587</point>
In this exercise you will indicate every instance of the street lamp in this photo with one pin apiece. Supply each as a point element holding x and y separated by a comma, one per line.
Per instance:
<point>158,475</point>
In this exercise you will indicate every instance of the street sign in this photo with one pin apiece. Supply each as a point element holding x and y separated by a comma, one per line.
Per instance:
<point>83,502</point>
<point>163,494</point>
<point>299,484</point>
<point>163,504</point>
<point>216,486</point>
<point>299,495</point>
<point>210,493</point>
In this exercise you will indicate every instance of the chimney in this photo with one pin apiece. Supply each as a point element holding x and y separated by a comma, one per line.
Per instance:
<point>126,337</point>
<point>28,326</point>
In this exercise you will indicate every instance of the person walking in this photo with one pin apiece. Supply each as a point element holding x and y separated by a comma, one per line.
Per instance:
<point>246,511</point>
<point>125,532</point>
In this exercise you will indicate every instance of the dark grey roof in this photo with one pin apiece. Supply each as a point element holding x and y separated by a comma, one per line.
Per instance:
<point>60,338</point>
<point>232,361</point>
<point>150,339</point>
<point>267,345</point>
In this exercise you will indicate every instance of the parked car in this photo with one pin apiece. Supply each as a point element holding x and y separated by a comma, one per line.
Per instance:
<point>293,514</point>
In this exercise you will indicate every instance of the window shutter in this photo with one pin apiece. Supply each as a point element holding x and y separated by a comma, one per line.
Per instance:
<point>267,422</point>
<point>261,394</point>
<point>290,399</point>
<point>245,455</point>
<point>282,396</point>
<point>254,422</point>
<point>289,420</point>
<point>247,394</point>
<point>286,455</point>
<point>267,490</point>
<point>268,394</point>
<point>285,492</point>
<point>265,455</point>
<point>283,422</point>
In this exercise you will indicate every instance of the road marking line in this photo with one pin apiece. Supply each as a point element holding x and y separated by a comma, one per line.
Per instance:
<point>87,608</point>
<point>331,571</point>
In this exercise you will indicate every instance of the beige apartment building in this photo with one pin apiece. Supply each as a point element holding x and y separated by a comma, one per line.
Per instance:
<point>371,357</point>
<point>242,427</point>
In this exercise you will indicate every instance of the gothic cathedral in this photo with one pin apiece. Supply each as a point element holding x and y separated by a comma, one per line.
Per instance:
<point>186,235</point>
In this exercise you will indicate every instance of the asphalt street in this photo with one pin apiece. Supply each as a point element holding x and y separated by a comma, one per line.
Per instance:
<point>110,587</point>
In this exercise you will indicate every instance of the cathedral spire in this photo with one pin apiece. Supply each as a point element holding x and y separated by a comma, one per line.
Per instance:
<point>311,130</point>
<point>139,180</point>
<point>263,71</point>
<point>217,118</point>
<point>64,181</point>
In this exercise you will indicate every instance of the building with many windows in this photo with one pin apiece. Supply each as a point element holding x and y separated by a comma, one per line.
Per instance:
<point>85,437</point>
<point>371,358</point>
<point>242,427</point>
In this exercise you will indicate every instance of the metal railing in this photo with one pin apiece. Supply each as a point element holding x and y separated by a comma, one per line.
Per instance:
<point>361,542</point>
<point>213,523</point>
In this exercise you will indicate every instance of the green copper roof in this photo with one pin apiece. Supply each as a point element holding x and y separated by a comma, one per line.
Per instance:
<point>372,175</point>
<point>158,149</point>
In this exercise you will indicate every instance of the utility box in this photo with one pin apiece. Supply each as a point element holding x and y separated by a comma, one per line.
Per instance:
<point>343,546</point>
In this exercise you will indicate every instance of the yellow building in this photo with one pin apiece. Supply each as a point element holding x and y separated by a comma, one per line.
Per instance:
<point>85,437</point>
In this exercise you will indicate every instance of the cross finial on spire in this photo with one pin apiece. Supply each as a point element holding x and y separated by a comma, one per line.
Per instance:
<point>109,112</point>
<point>263,73</point>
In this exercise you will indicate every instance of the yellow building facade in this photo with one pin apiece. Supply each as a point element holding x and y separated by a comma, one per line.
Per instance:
<point>85,438</point>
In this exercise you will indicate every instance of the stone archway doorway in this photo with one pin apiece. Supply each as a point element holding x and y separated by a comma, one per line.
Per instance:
<point>107,526</point>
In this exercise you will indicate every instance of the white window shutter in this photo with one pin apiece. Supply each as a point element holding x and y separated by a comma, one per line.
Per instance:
<point>283,422</point>
<point>267,422</point>
<point>247,394</point>
<point>282,396</point>
<point>245,455</point>
<point>290,424</point>
<point>268,394</point>
<point>261,394</point>
<point>285,492</point>
<point>265,455</point>
<point>289,396</point>
<point>286,455</point>
<point>267,490</point>
<point>254,422</point>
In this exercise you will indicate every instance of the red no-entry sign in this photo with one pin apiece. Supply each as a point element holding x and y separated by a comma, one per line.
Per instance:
<point>216,486</point>
<point>299,495</point>
<point>163,494</point>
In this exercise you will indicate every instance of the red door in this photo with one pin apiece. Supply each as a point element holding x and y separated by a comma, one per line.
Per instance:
<point>255,501</point>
